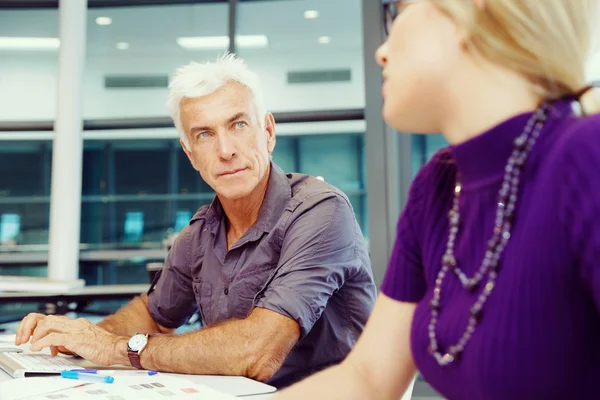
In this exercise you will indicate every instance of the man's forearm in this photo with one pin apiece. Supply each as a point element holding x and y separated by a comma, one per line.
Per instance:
<point>231,348</point>
<point>130,319</point>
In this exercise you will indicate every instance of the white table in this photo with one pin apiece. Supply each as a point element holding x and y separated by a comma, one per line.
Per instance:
<point>215,382</point>
<point>238,385</point>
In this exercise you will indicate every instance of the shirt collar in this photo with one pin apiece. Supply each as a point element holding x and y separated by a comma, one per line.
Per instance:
<point>277,196</point>
<point>482,159</point>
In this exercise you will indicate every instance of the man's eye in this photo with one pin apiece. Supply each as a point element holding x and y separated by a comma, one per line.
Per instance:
<point>204,135</point>
<point>240,125</point>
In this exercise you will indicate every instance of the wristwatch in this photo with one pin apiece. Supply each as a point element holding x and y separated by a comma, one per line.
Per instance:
<point>135,345</point>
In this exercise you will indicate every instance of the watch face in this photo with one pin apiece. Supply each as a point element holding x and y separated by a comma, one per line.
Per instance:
<point>137,342</point>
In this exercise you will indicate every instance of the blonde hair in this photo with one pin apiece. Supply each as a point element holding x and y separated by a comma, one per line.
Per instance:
<point>548,41</point>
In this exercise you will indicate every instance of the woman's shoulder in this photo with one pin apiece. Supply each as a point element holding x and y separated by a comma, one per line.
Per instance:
<point>577,143</point>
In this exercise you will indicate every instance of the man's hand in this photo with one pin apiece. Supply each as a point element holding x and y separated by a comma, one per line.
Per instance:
<point>78,336</point>
<point>26,328</point>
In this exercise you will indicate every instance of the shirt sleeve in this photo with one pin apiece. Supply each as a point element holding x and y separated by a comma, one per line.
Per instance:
<point>404,279</point>
<point>319,253</point>
<point>580,201</point>
<point>171,300</point>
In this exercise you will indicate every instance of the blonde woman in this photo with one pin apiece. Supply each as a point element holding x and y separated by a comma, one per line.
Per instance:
<point>493,287</point>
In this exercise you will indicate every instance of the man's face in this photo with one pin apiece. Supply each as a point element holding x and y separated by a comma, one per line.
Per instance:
<point>227,142</point>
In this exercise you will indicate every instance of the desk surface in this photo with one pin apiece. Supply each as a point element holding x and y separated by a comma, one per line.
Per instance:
<point>220,383</point>
<point>236,385</point>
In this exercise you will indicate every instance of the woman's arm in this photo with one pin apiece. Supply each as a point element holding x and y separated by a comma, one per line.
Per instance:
<point>379,367</point>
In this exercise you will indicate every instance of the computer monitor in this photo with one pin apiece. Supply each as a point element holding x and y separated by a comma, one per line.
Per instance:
<point>10,227</point>
<point>134,226</point>
<point>182,218</point>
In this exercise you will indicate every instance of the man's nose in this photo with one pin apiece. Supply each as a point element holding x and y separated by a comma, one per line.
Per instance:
<point>226,147</point>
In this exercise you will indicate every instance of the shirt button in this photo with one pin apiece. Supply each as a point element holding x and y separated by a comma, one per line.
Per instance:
<point>226,291</point>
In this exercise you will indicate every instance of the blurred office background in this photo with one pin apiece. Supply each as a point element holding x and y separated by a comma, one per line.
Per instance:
<point>138,188</point>
<point>316,62</point>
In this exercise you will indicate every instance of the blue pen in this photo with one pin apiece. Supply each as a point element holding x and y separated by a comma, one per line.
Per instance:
<point>87,377</point>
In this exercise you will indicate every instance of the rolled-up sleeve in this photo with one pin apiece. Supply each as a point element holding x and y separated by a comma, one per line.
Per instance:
<point>171,299</point>
<point>318,254</point>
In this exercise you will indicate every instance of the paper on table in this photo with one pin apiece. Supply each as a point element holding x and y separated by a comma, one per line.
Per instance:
<point>24,388</point>
<point>140,388</point>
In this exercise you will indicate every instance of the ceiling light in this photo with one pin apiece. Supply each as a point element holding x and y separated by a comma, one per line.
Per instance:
<point>324,40</point>
<point>122,45</point>
<point>311,14</point>
<point>251,41</point>
<point>29,43</point>
<point>222,42</point>
<point>103,21</point>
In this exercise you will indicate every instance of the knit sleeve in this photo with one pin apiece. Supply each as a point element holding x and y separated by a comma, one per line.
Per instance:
<point>580,201</point>
<point>405,278</point>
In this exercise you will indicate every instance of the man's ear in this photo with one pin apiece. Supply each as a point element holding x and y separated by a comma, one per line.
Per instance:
<point>270,130</point>
<point>187,152</point>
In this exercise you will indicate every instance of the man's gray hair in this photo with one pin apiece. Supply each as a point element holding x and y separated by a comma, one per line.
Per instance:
<point>201,79</point>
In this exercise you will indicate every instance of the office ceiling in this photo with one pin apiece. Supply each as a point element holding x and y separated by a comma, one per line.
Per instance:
<point>152,30</point>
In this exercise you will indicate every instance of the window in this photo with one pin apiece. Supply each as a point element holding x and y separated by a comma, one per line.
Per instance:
<point>28,64</point>
<point>138,193</point>
<point>24,196</point>
<point>138,187</point>
<point>132,51</point>
<point>313,55</point>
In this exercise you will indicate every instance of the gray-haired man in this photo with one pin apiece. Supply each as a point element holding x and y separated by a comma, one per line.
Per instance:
<point>276,265</point>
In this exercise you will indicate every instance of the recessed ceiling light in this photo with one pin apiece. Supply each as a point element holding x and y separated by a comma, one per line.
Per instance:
<point>222,42</point>
<point>122,45</point>
<point>29,43</point>
<point>104,20</point>
<point>311,14</point>
<point>324,40</point>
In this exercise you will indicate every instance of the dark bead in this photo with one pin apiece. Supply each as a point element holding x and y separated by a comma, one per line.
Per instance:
<point>455,351</point>
<point>497,229</point>
<point>520,142</point>
<point>492,243</point>
<point>476,311</point>
<point>509,213</point>
<point>434,304</point>
<point>431,349</point>
<point>471,285</point>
